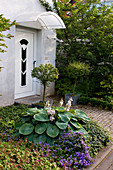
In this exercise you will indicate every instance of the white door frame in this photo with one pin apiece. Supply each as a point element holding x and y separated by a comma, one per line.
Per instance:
<point>34,32</point>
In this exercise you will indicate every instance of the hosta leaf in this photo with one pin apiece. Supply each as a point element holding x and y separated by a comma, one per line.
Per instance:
<point>50,141</point>
<point>52,131</point>
<point>26,129</point>
<point>81,115</point>
<point>43,138</point>
<point>75,124</point>
<point>32,111</point>
<point>73,118</point>
<point>39,138</point>
<point>36,139</point>
<point>18,125</point>
<point>64,117</point>
<point>40,128</point>
<point>82,130</point>
<point>30,138</point>
<point>43,117</point>
<point>16,135</point>
<point>60,109</point>
<point>61,125</point>
<point>25,119</point>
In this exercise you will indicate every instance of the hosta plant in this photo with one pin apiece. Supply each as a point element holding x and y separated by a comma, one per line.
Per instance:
<point>45,125</point>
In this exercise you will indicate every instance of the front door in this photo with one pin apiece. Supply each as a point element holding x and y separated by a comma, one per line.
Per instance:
<point>24,52</point>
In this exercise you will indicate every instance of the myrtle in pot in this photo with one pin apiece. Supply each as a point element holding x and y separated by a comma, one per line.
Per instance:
<point>76,71</point>
<point>45,73</point>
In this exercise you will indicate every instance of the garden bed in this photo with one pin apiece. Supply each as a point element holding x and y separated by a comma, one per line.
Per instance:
<point>70,150</point>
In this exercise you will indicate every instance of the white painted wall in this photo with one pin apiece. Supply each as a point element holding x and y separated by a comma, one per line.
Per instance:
<point>12,8</point>
<point>8,72</point>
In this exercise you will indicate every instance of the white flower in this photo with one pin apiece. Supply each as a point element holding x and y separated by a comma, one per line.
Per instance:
<point>68,105</point>
<point>52,118</point>
<point>47,104</point>
<point>61,102</point>
<point>51,111</point>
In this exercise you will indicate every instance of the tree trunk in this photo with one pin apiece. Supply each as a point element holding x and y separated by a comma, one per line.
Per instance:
<point>44,94</point>
<point>74,88</point>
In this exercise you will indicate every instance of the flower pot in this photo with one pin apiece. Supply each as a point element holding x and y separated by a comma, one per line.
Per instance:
<point>39,105</point>
<point>74,98</point>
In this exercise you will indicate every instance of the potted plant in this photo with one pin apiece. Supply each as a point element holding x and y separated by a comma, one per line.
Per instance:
<point>76,71</point>
<point>45,73</point>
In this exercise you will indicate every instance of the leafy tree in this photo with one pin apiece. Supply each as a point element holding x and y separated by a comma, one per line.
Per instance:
<point>5,25</point>
<point>45,73</point>
<point>88,36</point>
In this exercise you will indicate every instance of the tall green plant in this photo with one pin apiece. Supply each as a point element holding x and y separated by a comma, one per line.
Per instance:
<point>45,73</point>
<point>77,70</point>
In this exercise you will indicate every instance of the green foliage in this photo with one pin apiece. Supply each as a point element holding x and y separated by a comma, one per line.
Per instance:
<point>63,86</point>
<point>99,137</point>
<point>5,25</point>
<point>45,73</point>
<point>10,115</point>
<point>76,71</point>
<point>19,155</point>
<point>96,102</point>
<point>107,85</point>
<point>87,38</point>
<point>46,124</point>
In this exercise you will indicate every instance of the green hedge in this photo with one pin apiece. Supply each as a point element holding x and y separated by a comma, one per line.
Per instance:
<point>96,102</point>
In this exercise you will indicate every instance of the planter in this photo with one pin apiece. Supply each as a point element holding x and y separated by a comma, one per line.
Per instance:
<point>75,98</point>
<point>39,104</point>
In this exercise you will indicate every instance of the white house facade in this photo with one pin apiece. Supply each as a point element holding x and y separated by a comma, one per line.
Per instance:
<point>34,43</point>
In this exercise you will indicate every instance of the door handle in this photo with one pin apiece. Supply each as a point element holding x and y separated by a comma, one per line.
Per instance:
<point>34,63</point>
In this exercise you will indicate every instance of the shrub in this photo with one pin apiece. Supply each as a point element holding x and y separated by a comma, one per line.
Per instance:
<point>98,138</point>
<point>95,102</point>
<point>44,125</point>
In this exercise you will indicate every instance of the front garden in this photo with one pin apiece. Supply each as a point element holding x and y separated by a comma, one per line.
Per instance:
<point>49,138</point>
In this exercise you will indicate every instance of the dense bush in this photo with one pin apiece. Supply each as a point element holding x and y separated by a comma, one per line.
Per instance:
<point>99,137</point>
<point>96,102</point>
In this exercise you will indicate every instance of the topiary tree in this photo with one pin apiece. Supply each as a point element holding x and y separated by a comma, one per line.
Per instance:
<point>45,73</point>
<point>77,70</point>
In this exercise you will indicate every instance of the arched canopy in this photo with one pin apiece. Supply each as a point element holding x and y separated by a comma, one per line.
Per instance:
<point>47,20</point>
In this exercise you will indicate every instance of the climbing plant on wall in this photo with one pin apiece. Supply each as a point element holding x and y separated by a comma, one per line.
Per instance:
<point>5,25</point>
